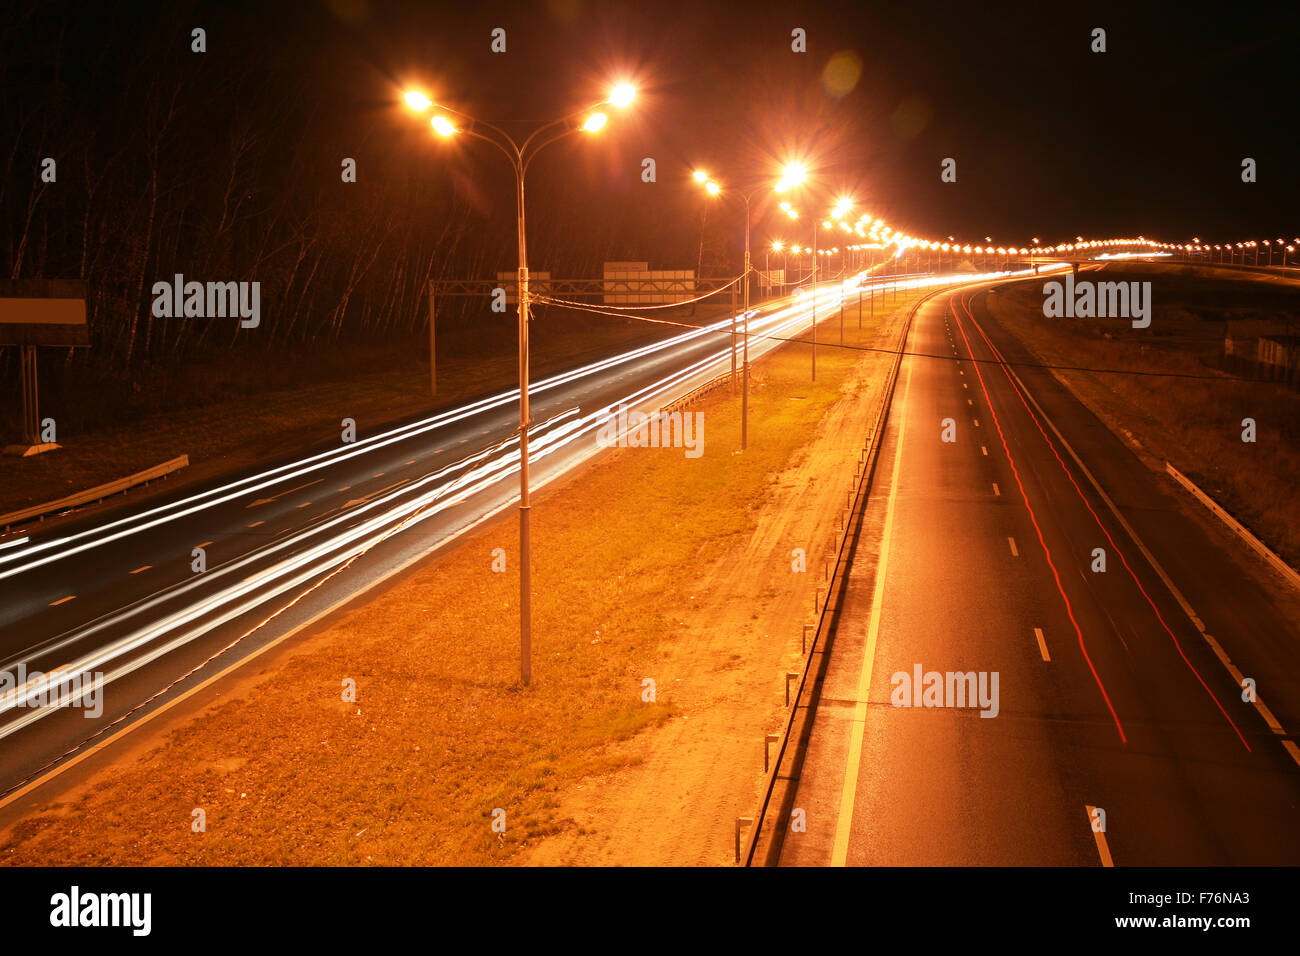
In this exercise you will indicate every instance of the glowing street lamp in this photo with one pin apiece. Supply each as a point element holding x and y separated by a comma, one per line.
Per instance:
<point>622,95</point>
<point>791,176</point>
<point>794,175</point>
<point>712,187</point>
<point>520,156</point>
<point>417,100</point>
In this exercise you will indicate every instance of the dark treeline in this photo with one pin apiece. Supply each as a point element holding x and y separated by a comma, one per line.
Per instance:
<point>221,169</point>
<point>225,166</point>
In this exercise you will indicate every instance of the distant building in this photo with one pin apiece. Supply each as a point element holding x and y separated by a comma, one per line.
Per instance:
<point>1241,337</point>
<point>1279,351</point>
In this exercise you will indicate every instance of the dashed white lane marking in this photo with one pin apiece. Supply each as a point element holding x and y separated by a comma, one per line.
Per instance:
<point>263,501</point>
<point>983,450</point>
<point>375,494</point>
<point>1042,644</point>
<point>1014,553</point>
<point>256,523</point>
<point>1156,566</point>
<point>305,504</point>
<point>977,423</point>
<point>996,490</point>
<point>1273,723</point>
<point>1102,849</point>
<point>62,600</point>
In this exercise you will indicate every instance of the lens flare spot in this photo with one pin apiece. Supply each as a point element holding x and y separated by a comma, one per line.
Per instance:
<point>841,74</point>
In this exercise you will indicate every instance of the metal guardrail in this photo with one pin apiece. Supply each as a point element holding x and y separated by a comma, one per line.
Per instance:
<point>97,493</point>
<point>698,392</point>
<point>825,614</point>
<point>1236,527</point>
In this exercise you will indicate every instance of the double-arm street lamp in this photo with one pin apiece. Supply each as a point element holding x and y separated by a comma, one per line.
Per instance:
<point>448,122</point>
<point>714,189</point>
<point>792,177</point>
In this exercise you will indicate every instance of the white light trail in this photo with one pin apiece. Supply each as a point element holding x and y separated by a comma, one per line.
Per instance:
<point>398,510</point>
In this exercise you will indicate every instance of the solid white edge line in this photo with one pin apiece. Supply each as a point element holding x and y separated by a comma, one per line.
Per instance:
<point>858,727</point>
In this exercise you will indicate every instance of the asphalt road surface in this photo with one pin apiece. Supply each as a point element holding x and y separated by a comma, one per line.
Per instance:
<point>1118,690</point>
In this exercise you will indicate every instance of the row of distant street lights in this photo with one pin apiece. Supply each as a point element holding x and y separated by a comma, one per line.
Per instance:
<point>793,177</point>
<point>1230,249</point>
<point>447,122</point>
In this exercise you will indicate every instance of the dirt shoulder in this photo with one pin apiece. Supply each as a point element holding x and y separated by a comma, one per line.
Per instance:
<point>678,787</point>
<point>648,565</point>
<point>1183,409</point>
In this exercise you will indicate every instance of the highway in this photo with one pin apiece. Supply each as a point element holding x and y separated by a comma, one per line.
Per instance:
<point>1118,689</point>
<point>116,592</point>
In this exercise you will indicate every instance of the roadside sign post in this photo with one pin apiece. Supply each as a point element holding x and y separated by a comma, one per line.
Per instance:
<point>49,313</point>
<point>31,421</point>
<point>433,350</point>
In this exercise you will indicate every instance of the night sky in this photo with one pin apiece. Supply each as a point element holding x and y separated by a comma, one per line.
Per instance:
<point>1050,139</point>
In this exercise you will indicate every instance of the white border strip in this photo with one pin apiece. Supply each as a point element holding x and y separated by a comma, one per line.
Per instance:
<point>1236,527</point>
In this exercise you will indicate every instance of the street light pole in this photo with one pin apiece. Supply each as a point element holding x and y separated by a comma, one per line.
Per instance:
<point>525,419</point>
<point>714,189</point>
<point>520,156</point>
<point>744,384</point>
<point>815,266</point>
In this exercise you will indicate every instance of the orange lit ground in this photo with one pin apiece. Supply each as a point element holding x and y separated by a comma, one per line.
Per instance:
<point>648,565</point>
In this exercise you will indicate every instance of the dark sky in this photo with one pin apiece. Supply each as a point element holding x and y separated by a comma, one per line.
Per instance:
<point>1050,139</point>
